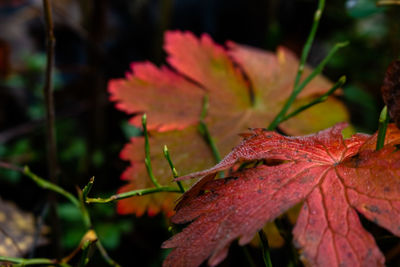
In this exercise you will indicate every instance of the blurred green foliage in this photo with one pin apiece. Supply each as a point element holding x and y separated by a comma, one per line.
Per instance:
<point>107,225</point>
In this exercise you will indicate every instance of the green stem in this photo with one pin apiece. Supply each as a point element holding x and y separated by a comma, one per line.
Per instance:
<point>87,188</point>
<point>318,100</point>
<point>310,40</point>
<point>27,262</point>
<point>105,255</point>
<point>84,211</point>
<point>265,249</point>
<point>203,129</point>
<point>147,159</point>
<point>173,169</point>
<point>85,251</point>
<point>383,123</point>
<point>300,87</point>
<point>139,192</point>
<point>204,109</point>
<point>50,186</point>
<point>249,258</point>
<point>77,203</point>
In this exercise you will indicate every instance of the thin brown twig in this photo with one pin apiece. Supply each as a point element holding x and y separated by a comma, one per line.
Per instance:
<point>6,165</point>
<point>48,93</point>
<point>50,124</point>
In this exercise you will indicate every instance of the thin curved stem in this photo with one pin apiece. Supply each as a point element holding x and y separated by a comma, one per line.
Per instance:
<point>173,169</point>
<point>147,159</point>
<point>318,100</point>
<point>265,249</point>
<point>309,42</point>
<point>296,91</point>
<point>28,262</point>
<point>50,186</point>
<point>203,129</point>
<point>77,203</point>
<point>139,192</point>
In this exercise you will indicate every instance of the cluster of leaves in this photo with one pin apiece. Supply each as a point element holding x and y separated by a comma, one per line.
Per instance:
<point>246,87</point>
<point>335,177</point>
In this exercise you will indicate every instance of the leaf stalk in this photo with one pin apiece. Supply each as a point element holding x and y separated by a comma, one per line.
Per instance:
<point>265,249</point>
<point>147,159</point>
<point>173,169</point>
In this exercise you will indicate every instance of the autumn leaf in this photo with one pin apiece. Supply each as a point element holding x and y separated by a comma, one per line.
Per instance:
<point>335,177</point>
<point>246,87</point>
<point>17,230</point>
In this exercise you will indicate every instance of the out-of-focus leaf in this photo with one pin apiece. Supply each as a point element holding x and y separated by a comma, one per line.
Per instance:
<point>110,233</point>
<point>17,230</point>
<point>362,8</point>
<point>77,149</point>
<point>359,97</point>
<point>363,104</point>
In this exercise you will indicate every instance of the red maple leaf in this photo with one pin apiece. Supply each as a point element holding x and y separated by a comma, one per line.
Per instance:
<point>246,87</point>
<point>335,177</point>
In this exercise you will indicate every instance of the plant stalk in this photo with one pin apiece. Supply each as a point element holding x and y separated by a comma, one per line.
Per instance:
<point>173,169</point>
<point>265,249</point>
<point>297,90</point>
<point>28,262</point>
<point>307,46</point>
<point>147,159</point>
<point>203,129</point>
<point>383,123</point>
<point>48,94</point>
<point>52,165</point>
<point>318,100</point>
<point>139,192</point>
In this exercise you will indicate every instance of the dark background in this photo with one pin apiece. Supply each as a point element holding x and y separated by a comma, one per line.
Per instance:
<point>96,40</point>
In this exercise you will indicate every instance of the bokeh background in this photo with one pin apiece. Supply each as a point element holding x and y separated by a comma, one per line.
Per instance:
<point>96,40</point>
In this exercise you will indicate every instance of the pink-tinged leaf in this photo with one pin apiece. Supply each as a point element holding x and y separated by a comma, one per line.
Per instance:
<point>334,177</point>
<point>209,65</point>
<point>170,101</point>
<point>246,88</point>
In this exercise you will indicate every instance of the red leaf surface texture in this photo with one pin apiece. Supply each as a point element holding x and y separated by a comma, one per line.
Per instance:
<point>335,177</point>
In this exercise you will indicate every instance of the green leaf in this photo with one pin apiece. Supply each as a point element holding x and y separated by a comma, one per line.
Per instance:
<point>362,8</point>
